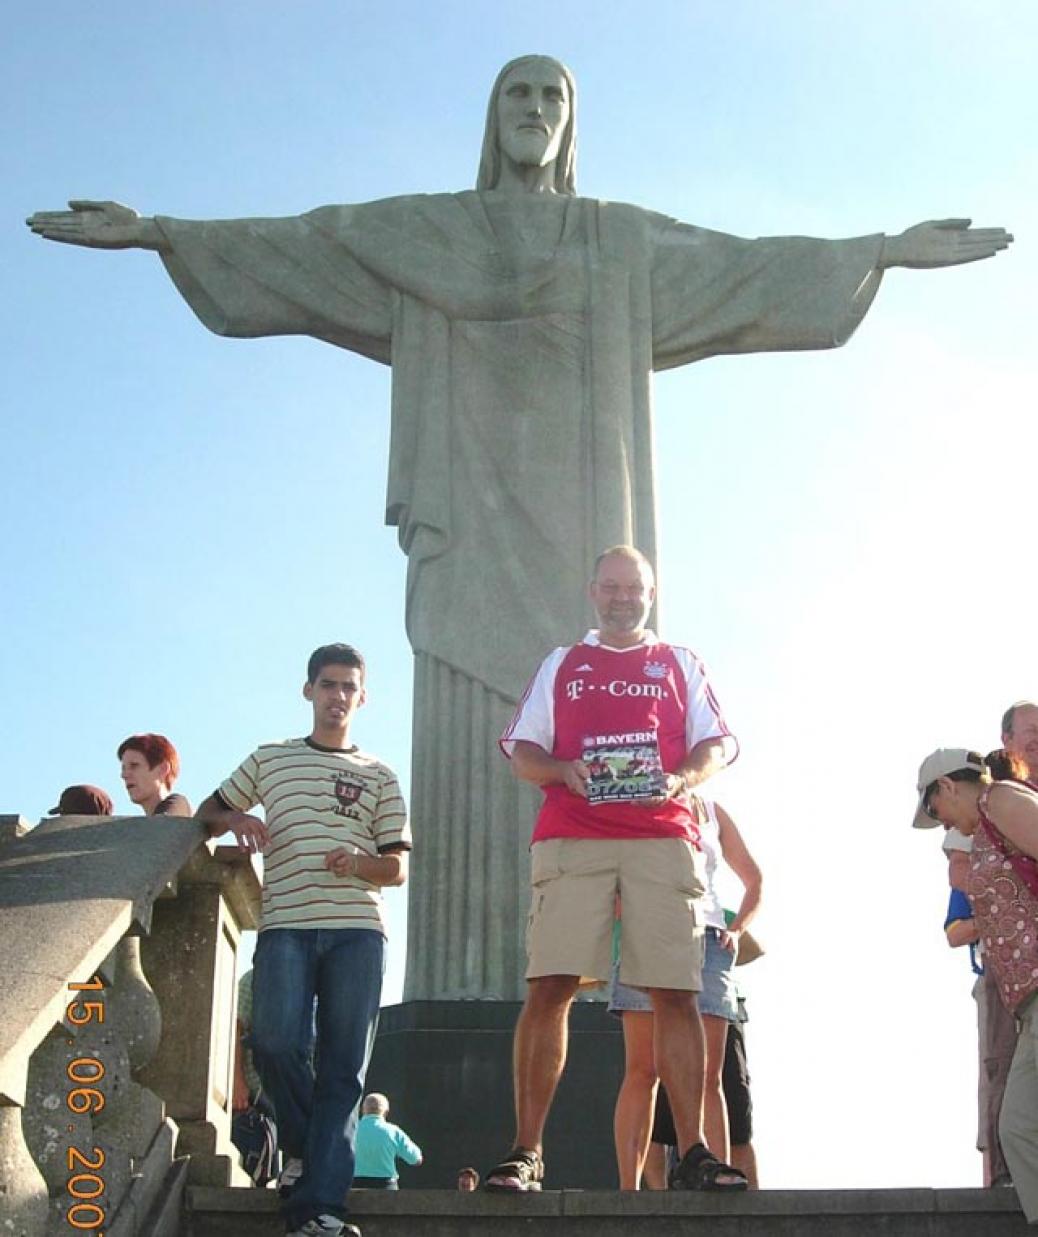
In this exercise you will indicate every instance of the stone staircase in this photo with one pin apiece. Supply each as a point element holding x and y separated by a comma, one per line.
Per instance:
<point>214,1212</point>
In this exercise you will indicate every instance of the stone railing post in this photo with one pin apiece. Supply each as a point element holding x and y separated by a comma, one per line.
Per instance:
<point>12,828</point>
<point>190,960</point>
<point>94,1061</point>
<point>23,1191</point>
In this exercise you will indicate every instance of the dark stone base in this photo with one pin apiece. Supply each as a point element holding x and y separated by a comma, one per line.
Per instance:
<point>446,1067</point>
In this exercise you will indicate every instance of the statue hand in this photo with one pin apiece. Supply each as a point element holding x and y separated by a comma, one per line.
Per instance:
<point>943,242</point>
<point>97,225</point>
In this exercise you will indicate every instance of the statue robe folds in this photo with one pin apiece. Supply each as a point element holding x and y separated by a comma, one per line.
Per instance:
<point>522,330</point>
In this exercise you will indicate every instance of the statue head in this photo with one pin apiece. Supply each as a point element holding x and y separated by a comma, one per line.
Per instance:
<point>565,156</point>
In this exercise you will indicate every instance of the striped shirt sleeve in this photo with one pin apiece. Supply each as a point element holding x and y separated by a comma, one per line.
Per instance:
<point>241,790</point>
<point>390,825</point>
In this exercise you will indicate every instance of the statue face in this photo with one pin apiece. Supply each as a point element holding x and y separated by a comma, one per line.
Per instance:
<point>533,108</point>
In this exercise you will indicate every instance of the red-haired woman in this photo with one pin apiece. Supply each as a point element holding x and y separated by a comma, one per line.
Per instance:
<point>149,767</point>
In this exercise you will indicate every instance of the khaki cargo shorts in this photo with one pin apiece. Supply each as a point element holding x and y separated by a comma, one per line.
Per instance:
<point>575,882</point>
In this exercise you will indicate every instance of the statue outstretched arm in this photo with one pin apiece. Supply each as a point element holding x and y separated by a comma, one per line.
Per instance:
<point>942,242</point>
<point>98,225</point>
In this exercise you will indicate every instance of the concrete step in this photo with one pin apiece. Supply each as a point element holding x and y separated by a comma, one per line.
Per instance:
<point>214,1212</point>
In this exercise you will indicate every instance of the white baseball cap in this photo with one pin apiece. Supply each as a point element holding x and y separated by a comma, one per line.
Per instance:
<point>939,764</point>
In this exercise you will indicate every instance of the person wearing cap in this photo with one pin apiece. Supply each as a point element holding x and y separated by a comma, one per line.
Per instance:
<point>956,790</point>
<point>149,765</point>
<point>83,800</point>
<point>996,1027</point>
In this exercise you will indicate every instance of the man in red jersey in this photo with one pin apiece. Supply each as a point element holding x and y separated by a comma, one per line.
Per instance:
<point>619,690</point>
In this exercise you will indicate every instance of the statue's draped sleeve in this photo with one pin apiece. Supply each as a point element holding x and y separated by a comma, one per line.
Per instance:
<point>714,294</point>
<point>253,277</point>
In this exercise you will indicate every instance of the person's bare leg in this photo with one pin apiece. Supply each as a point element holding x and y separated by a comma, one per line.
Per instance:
<point>539,1054</point>
<point>680,1060</point>
<point>632,1118</point>
<point>654,1171</point>
<point>715,1110</point>
<point>744,1158</point>
<point>680,1053</point>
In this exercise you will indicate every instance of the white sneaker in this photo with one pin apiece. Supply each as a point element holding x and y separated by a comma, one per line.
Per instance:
<point>326,1226</point>
<point>290,1175</point>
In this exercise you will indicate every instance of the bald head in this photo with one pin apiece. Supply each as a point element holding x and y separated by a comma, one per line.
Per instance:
<point>374,1105</point>
<point>630,552</point>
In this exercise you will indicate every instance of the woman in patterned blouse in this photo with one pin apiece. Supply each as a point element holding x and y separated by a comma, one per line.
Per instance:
<point>955,788</point>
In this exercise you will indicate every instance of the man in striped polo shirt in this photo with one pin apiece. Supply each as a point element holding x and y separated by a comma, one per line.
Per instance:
<point>335,834</point>
<point>596,719</point>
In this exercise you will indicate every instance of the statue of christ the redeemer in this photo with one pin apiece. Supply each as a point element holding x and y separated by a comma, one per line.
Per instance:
<point>523,324</point>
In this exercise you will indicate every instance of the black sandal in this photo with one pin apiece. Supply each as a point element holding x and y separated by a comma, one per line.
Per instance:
<point>518,1172</point>
<point>700,1169</point>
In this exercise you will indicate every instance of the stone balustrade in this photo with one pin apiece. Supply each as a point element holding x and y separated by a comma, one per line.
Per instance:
<point>117,1022</point>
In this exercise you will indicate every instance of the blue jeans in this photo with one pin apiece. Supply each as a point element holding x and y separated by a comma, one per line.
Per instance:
<point>316,1116</point>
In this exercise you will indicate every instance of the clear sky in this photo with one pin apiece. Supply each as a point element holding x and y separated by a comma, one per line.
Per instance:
<point>846,536</point>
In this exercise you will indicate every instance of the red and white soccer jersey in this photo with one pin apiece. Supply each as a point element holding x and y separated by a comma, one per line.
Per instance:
<point>590,689</point>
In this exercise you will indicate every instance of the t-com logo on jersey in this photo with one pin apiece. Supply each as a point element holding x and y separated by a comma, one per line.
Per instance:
<point>347,794</point>
<point>576,688</point>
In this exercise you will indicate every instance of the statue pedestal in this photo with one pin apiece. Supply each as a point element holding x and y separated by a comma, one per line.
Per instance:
<point>446,1067</point>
